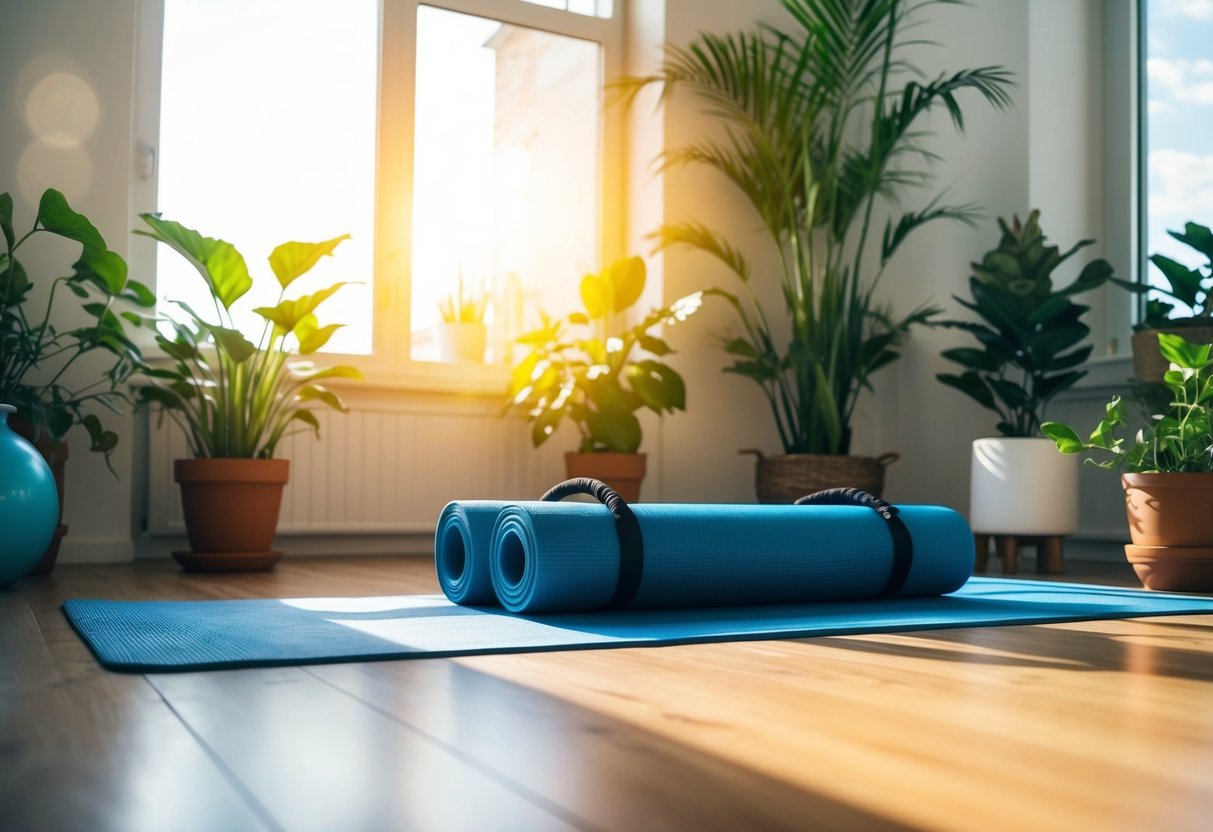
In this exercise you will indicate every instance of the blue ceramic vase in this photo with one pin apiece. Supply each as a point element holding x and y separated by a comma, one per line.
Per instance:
<point>29,504</point>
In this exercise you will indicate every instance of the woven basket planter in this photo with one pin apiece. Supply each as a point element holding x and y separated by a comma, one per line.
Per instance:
<point>1148,363</point>
<point>784,478</point>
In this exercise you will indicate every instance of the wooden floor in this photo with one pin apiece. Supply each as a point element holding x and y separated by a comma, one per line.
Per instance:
<point>1093,726</point>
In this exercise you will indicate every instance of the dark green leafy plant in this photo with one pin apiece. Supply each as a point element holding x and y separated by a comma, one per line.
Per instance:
<point>578,370</point>
<point>1179,440</point>
<point>231,397</point>
<point>819,125</point>
<point>1189,287</point>
<point>35,354</point>
<point>1030,330</point>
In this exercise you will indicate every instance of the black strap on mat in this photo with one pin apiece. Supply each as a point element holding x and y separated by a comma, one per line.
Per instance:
<point>903,544</point>
<point>631,542</point>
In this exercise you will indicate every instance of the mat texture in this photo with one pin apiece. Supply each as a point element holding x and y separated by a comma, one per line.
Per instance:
<point>204,635</point>
<point>544,557</point>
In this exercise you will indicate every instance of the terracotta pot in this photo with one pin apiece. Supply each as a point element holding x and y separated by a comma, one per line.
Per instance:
<point>56,456</point>
<point>231,512</point>
<point>1172,530</point>
<point>1148,363</point>
<point>785,478</point>
<point>622,472</point>
<point>1169,509</point>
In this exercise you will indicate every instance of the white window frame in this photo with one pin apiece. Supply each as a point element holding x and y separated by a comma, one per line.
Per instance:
<point>389,366</point>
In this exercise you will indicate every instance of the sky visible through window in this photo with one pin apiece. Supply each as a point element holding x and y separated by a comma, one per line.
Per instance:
<point>1179,124</point>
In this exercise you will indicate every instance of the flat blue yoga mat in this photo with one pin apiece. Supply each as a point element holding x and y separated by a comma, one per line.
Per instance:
<point>206,635</point>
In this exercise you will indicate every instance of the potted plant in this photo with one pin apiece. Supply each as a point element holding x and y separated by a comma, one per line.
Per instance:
<point>1189,287</point>
<point>235,399</point>
<point>38,347</point>
<point>821,124</point>
<point>461,334</point>
<point>1029,333</point>
<point>1167,472</point>
<point>584,369</point>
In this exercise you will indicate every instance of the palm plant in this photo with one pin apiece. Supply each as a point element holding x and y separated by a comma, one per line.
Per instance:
<point>818,126</point>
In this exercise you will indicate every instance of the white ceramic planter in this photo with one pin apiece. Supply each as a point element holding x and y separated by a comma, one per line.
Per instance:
<point>1022,485</point>
<point>460,342</point>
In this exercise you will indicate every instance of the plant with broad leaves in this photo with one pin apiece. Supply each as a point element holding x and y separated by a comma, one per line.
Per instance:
<point>578,370</point>
<point>1178,441</point>
<point>1188,287</point>
<point>231,397</point>
<point>36,353</point>
<point>1030,329</point>
<point>819,124</point>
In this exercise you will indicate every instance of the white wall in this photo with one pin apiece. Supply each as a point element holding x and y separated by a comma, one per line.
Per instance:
<point>94,42</point>
<point>1046,152</point>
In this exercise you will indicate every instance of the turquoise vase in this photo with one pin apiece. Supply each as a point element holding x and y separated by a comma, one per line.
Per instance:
<point>29,504</point>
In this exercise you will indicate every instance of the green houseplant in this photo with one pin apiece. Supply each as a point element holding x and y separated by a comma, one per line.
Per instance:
<point>1166,471</point>
<point>820,125</point>
<point>37,351</point>
<point>1188,287</point>
<point>234,399</point>
<point>461,334</point>
<point>584,369</point>
<point>1029,332</point>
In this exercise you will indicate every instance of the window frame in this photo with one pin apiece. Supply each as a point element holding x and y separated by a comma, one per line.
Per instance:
<point>390,365</point>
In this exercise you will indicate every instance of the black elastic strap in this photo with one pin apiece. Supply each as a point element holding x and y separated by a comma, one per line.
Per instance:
<point>903,545</point>
<point>631,542</point>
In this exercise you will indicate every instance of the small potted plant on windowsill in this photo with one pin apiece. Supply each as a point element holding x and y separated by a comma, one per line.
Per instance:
<point>1167,472</point>
<point>1188,288</point>
<point>38,351</point>
<point>1029,335</point>
<point>461,334</point>
<point>581,369</point>
<point>235,400</point>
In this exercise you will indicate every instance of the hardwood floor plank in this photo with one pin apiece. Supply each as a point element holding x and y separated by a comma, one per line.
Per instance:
<point>320,760</point>
<point>90,756</point>
<point>616,775</point>
<point>24,658</point>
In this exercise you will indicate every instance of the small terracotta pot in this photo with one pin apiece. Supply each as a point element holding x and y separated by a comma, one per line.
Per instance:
<point>622,472</point>
<point>1169,509</point>
<point>231,512</point>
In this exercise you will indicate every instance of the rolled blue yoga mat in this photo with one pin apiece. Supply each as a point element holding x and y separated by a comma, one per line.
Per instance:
<point>461,550</point>
<point>565,557</point>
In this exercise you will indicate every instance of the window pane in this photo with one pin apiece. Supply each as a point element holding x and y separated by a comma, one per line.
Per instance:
<point>1179,114</point>
<point>267,134</point>
<point>505,172</point>
<point>592,8</point>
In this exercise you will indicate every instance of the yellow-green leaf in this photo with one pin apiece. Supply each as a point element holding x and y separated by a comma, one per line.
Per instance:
<point>316,393</point>
<point>312,336</point>
<point>598,295</point>
<point>627,277</point>
<point>218,261</point>
<point>291,260</point>
<point>289,313</point>
<point>307,371</point>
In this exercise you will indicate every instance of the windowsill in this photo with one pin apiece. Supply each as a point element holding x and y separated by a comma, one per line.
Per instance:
<point>481,380</point>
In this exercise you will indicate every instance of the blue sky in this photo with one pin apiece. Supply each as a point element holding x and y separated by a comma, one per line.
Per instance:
<point>1179,86</point>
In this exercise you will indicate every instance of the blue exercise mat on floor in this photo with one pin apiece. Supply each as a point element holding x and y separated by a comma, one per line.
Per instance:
<point>207,635</point>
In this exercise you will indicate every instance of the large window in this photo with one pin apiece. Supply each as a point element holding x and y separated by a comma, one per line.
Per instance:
<point>1178,120</point>
<point>459,141</point>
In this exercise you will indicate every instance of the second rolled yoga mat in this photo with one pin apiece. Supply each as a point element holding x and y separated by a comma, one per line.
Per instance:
<point>550,557</point>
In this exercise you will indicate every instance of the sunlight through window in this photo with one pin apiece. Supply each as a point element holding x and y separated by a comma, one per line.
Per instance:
<point>267,134</point>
